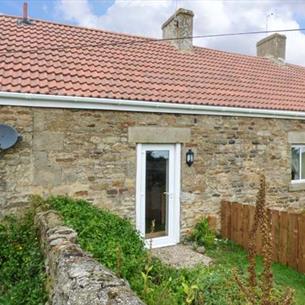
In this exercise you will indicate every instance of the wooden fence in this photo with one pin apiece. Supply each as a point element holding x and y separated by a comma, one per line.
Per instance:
<point>288,232</point>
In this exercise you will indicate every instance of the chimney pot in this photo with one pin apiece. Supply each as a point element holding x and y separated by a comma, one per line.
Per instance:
<point>25,15</point>
<point>179,28</point>
<point>273,46</point>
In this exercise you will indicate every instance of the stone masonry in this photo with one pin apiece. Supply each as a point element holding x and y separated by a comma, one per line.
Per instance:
<point>87,154</point>
<point>75,278</point>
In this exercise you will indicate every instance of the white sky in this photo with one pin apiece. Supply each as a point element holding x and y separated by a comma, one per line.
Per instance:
<point>145,17</point>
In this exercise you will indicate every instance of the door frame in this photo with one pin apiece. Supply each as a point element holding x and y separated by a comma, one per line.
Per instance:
<point>174,216</point>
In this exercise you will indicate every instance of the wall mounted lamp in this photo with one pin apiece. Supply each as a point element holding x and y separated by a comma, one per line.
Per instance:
<point>189,157</point>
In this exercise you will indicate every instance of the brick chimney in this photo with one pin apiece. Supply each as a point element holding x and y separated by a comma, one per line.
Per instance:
<point>179,26</point>
<point>273,46</point>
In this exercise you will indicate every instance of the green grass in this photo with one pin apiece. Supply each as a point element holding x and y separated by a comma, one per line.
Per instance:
<point>22,276</point>
<point>114,242</point>
<point>231,255</point>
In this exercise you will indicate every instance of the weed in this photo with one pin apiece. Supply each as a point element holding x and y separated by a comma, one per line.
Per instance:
<point>202,235</point>
<point>190,291</point>
<point>261,293</point>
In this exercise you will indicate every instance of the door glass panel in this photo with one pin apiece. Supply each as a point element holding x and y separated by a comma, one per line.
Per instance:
<point>156,203</point>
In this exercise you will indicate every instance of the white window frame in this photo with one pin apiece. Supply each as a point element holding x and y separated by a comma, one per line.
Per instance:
<point>302,149</point>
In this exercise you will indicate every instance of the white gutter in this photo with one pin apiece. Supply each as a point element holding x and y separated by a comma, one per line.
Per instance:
<point>70,102</point>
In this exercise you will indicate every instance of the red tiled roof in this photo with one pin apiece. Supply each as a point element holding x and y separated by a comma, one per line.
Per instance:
<point>108,65</point>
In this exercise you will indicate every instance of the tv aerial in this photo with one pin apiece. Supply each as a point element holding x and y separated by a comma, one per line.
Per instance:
<point>8,137</point>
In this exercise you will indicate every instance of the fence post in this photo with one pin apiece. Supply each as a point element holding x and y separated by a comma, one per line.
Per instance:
<point>283,237</point>
<point>246,229</point>
<point>223,218</point>
<point>275,215</point>
<point>292,245</point>
<point>301,228</point>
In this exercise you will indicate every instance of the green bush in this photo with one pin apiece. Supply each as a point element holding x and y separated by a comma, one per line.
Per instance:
<point>22,275</point>
<point>112,240</point>
<point>202,235</point>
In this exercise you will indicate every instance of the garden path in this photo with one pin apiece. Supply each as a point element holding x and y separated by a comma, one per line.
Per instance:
<point>181,256</point>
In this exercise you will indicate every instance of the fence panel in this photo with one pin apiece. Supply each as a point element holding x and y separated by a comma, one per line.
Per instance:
<point>283,239</point>
<point>246,227</point>
<point>275,218</point>
<point>301,260</point>
<point>288,232</point>
<point>292,245</point>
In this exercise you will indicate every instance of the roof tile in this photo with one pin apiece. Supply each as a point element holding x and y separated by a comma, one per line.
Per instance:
<point>50,58</point>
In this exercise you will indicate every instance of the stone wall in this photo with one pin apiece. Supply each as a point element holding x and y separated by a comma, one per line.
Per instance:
<point>87,154</point>
<point>75,278</point>
<point>16,164</point>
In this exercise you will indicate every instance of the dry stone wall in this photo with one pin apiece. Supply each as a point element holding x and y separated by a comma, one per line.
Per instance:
<point>87,154</point>
<point>75,278</point>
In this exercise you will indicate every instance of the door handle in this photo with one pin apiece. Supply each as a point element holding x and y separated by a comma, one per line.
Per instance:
<point>170,195</point>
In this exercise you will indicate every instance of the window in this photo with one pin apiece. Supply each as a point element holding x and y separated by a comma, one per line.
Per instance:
<point>298,163</point>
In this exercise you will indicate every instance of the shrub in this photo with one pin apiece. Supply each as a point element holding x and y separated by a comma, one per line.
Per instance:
<point>21,263</point>
<point>202,235</point>
<point>112,240</point>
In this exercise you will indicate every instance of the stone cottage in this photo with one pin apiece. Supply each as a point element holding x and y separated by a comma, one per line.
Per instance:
<point>151,129</point>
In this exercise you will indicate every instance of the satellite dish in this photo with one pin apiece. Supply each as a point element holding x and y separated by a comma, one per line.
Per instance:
<point>8,137</point>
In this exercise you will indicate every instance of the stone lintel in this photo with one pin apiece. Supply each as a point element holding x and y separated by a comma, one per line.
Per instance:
<point>149,135</point>
<point>296,137</point>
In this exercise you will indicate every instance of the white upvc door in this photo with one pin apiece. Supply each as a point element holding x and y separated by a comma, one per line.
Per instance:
<point>158,193</point>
